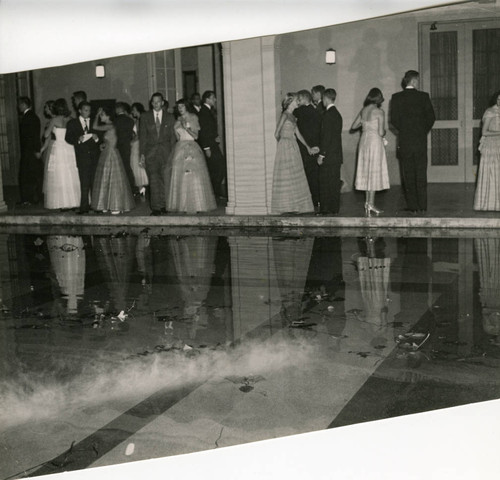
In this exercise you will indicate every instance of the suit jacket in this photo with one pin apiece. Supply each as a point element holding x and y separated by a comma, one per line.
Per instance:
<point>208,127</point>
<point>309,124</point>
<point>150,143</point>
<point>124,126</point>
<point>411,113</point>
<point>29,134</point>
<point>331,136</point>
<point>88,149</point>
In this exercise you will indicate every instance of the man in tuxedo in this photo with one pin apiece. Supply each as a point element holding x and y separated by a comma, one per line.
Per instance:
<point>412,115</point>
<point>208,138</point>
<point>77,98</point>
<point>330,157</point>
<point>79,134</point>
<point>30,167</point>
<point>124,126</point>
<point>196,102</point>
<point>156,140</point>
<point>317,97</point>
<point>309,125</point>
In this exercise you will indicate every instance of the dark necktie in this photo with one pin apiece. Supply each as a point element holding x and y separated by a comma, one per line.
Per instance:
<point>86,129</point>
<point>158,124</point>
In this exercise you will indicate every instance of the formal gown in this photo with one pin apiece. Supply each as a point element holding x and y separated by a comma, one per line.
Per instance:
<point>371,174</point>
<point>140,175</point>
<point>61,182</point>
<point>188,187</point>
<point>290,188</point>
<point>487,196</point>
<point>111,189</point>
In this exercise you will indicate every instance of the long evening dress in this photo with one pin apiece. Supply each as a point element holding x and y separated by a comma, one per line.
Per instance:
<point>140,175</point>
<point>188,188</point>
<point>487,196</point>
<point>372,174</point>
<point>111,189</point>
<point>290,188</point>
<point>61,183</point>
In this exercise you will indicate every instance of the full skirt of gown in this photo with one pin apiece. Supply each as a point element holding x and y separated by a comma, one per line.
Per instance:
<point>371,174</point>
<point>188,185</point>
<point>111,189</point>
<point>61,181</point>
<point>290,188</point>
<point>487,196</point>
<point>140,175</point>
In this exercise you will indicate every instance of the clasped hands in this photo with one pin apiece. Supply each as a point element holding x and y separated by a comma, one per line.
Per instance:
<point>313,150</point>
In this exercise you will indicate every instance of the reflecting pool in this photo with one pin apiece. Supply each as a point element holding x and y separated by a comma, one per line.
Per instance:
<point>122,346</point>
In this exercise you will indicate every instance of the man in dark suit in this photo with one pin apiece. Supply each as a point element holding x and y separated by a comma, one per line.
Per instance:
<point>77,98</point>
<point>195,101</point>
<point>411,113</point>
<point>156,140</point>
<point>309,125</point>
<point>208,138</point>
<point>79,134</point>
<point>30,167</point>
<point>330,157</point>
<point>317,98</point>
<point>124,126</point>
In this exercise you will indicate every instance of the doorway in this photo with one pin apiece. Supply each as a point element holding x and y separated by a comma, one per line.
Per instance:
<point>460,68</point>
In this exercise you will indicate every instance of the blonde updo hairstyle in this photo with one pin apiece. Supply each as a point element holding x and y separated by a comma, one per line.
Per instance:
<point>289,98</point>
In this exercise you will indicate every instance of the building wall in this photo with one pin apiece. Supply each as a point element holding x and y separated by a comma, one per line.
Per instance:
<point>370,53</point>
<point>126,79</point>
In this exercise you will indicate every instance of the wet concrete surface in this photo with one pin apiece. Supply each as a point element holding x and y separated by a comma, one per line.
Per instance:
<point>121,345</point>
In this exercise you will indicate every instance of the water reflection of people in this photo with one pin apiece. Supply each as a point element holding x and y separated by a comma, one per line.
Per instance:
<point>115,256</point>
<point>291,260</point>
<point>67,256</point>
<point>488,260</point>
<point>193,259</point>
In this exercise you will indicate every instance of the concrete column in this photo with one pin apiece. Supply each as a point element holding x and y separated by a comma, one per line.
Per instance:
<point>251,98</point>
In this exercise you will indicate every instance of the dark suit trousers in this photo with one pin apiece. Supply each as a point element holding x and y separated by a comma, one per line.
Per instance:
<point>86,171</point>
<point>311,168</point>
<point>329,186</point>
<point>414,173</point>
<point>155,167</point>
<point>216,165</point>
<point>124,150</point>
<point>30,179</point>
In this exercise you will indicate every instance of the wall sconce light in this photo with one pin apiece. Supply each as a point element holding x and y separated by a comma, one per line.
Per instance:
<point>100,71</point>
<point>330,56</point>
<point>434,26</point>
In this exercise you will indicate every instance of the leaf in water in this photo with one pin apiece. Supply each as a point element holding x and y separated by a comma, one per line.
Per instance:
<point>246,388</point>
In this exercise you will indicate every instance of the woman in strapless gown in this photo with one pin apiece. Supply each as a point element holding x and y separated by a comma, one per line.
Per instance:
<point>187,183</point>
<point>487,196</point>
<point>111,190</point>
<point>291,192</point>
<point>371,174</point>
<point>140,175</point>
<point>61,180</point>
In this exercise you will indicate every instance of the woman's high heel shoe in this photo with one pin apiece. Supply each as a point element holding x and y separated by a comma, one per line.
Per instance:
<point>369,208</point>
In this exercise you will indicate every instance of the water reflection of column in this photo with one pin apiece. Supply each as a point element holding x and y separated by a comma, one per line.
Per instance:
<point>6,337</point>
<point>488,260</point>
<point>116,257</point>
<point>255,292</point>
<point>291,259</point>
<point>67,257</point>
<point>194,262</point>
<point>465,297</point>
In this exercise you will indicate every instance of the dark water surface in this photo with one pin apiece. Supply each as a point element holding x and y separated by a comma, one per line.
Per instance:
<point>119,347</point>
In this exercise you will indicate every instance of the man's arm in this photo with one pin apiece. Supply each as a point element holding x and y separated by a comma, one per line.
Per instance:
<point>72,134</point>
<point>430,116</point>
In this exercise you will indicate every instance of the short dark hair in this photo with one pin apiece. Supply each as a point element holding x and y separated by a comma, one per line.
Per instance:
<point>61,107</point>
<point>123,105</point>
<point>109,111</point>
<point>195,94</point>
<point>138,106</point>
<point>374,97</point>
<point>50,105</point>
<point>158,94</point>
<point>330,93</point>
<point>318,88</point>
<point>80,94</point>
<point>306,94</point>
<point>409,76</point>
<point>207,94</point>
<point>493,99</point>
<point>83,104</point>
<point>24,100</point>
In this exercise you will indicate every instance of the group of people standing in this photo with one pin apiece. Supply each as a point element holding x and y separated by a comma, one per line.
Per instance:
<point>307,176</point>
<point>100,164</point>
